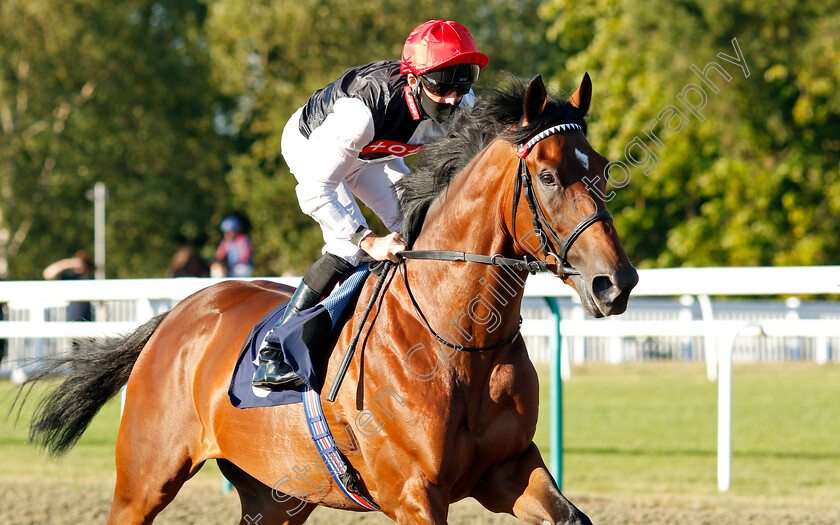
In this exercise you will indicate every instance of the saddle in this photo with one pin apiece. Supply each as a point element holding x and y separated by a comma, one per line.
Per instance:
<point>305,335</point>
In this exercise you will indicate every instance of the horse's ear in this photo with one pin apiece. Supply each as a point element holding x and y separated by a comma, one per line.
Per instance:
<point>535,100</point>
<point>583,96</point>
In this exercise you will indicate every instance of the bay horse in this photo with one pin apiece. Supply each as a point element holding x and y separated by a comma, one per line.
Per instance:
<point>423,424</point>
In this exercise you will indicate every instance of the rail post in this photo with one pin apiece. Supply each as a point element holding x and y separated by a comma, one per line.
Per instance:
<point>725,349</point>
<point>556,386</point>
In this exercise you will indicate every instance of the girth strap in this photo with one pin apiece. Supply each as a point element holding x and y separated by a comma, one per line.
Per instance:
<point>335,462</point>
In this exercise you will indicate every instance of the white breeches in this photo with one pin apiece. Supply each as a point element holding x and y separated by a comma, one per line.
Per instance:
<point>329,176</point>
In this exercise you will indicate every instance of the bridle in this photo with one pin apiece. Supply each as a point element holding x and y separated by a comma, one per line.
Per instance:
<point>541,225</point>
<point>541,222</point>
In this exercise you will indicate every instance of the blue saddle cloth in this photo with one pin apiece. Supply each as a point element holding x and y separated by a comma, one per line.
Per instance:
<point>307,327</point>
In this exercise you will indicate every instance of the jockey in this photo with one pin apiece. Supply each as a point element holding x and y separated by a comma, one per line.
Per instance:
<point>349,139</point>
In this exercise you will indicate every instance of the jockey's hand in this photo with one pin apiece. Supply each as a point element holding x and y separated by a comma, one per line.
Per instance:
<point>383,248</point>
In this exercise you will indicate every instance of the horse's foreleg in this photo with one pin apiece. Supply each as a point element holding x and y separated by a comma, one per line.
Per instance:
<point>522,486</point>
<point>262,504</point>
<point>418,502</point>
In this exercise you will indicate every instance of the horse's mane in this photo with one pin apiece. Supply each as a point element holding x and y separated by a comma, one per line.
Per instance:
<point>439,162</point>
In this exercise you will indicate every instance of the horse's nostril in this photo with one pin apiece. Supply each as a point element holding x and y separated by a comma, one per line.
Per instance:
<point>600,285</point>
<point>627,279</point>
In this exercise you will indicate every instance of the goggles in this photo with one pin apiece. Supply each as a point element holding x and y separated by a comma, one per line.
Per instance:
<point>458,77</point>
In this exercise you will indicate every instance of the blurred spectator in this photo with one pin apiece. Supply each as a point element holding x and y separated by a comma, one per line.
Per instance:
<point>218,269</point>
<point>234,257</point>
<point>80,266</point>
<point>4,343</point>
<point>188,263</point>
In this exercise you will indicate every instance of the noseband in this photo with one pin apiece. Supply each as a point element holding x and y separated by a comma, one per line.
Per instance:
<point>541,223</point>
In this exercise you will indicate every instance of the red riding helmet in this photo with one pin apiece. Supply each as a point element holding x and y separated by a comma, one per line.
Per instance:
<point>439,43</point>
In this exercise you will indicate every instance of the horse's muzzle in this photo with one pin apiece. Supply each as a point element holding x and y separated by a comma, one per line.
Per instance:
<point>611,292</point>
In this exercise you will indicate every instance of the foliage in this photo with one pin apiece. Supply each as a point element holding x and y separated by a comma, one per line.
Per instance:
<point>756,182</point>
<point>179,108</point>
<point>91,91</point>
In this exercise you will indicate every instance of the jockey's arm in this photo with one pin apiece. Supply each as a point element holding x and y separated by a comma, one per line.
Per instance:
<point>336,144</point>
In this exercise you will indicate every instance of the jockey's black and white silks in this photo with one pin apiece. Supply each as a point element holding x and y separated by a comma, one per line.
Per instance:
<point>349,139</point>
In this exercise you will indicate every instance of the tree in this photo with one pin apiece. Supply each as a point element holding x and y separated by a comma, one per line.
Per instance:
<point>756,182</point>
<point>120,93</point>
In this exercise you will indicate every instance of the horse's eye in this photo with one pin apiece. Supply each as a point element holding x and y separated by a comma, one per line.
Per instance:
<point>547,178</point>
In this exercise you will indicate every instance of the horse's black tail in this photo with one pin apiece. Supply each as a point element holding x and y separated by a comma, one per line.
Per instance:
<point>97,369</point>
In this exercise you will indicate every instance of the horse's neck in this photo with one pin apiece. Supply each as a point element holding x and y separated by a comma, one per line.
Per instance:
<point>469,215</point>
<point>476,304</point>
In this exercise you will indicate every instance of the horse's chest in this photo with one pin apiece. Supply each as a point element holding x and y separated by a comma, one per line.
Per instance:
<point>507,416</point>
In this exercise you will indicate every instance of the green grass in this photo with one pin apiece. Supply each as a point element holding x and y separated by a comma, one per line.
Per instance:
<point>629,429</point>
<point>652,428</point>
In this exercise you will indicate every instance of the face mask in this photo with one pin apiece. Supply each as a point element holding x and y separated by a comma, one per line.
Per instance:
<point>437,111</point>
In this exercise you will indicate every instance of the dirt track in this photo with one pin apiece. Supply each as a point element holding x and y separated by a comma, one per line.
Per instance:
<point>31,503</point>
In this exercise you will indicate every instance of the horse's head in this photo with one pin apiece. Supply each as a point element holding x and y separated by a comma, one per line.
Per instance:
<point>565,221</point>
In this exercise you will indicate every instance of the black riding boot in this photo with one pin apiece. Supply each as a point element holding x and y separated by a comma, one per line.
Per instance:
<point>319,280</point>
<point>273,371</point>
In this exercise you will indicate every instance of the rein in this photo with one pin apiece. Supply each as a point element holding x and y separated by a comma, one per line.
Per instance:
<point>503,342</point>
<point>492,260</point>
<point>377,289</point>
<point>541,225</point>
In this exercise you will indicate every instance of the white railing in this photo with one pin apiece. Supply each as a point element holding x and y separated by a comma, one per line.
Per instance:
<point>154,295</point>
<point>615,350</point>
<point>37,298</point>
